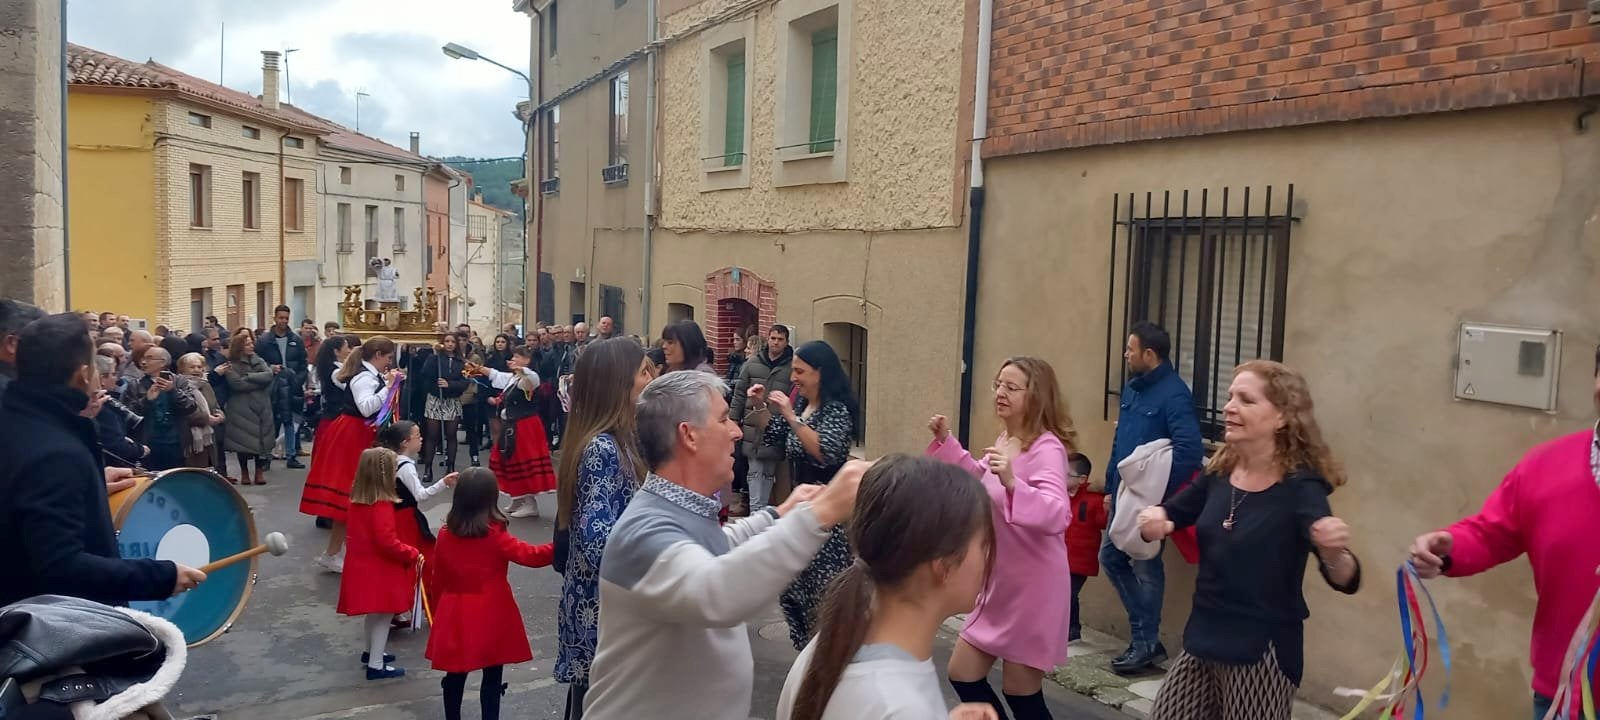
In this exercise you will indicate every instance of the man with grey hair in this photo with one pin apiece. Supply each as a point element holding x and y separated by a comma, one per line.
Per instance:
<point>675,588</point>
<point>138,342</point>
<point>14,315</point>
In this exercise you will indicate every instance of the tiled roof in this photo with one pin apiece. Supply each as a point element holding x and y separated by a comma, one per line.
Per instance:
<point>344,138</point>
<point>92,67</point>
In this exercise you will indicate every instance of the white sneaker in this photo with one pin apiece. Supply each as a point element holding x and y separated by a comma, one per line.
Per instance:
<point>524,507</point>
<point>330,563</point>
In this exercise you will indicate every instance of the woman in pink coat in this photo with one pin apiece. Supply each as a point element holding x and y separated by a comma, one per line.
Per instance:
<point>1024,611</point>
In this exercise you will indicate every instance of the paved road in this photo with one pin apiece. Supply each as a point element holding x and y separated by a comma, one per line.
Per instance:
<point>290,656</point>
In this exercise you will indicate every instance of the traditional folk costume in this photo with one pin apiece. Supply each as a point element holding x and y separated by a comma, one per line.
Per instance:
<point>521,456</point>
<point>339,443</point>
<point>477,623</point>
<point>410,524</point>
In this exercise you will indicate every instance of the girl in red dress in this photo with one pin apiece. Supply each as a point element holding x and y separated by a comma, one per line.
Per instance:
<point>380,577</point>
<point>521,455</point>
<point>405,439</point>
<point>359,387</point>
<point>477,625</point>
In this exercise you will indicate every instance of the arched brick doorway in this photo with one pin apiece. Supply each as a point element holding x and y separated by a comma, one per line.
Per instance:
<point>736,298</point>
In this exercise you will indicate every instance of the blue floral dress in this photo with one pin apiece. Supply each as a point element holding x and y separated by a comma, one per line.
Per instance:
<point>605,486</point>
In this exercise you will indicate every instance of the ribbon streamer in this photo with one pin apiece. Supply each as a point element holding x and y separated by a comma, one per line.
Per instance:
<point>1412,664</point>
<point>1579,666</point>
<point>391,404</point>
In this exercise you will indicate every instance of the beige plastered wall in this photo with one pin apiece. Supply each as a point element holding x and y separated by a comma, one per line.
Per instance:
<point>1411,227</point>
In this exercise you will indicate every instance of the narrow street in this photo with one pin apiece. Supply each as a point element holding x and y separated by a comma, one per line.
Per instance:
<point>290,657</point>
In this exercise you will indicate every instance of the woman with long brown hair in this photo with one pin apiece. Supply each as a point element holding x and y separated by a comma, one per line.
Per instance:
<point>250,434</point>
<point>599,471</point>
<point>922,532</point>
<point>1259,510</point>
<point>442,377</point>
<point>1023,616</point>
<point>360,387</point>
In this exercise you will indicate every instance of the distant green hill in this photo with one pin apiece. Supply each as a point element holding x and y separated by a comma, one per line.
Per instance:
<point>494,177</point>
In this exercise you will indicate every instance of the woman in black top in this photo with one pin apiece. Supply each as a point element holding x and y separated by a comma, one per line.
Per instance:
<point>441,378</point>
<point>498,358</point>
<point>1259,510</point>
<point>815,428</point>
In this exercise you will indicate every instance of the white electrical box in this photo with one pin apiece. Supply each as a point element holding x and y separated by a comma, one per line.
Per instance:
<point>1508,365</point>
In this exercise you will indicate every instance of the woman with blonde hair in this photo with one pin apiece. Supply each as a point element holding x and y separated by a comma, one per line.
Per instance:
<point>1023,615</point>
<point>199,444</point>
<point>359,387</point>
<point>1259,510</point>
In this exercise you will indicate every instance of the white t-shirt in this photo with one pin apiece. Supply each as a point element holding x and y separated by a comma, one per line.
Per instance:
<point>882,682</point>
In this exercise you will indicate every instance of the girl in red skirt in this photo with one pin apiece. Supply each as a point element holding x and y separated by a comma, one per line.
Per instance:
<point>381,571</point>
<point>477,625</point>
<point>405,439</point>
<point>359,388</point>
<point>521,455</point>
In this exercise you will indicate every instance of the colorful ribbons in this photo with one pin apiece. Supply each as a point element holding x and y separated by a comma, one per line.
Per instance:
<point>1583,653</point>
<point>391,406</point>
<point>1412,664</point>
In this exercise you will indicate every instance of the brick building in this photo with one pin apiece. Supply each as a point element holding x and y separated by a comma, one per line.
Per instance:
<point>1338,185</point>
<point>188,198</point>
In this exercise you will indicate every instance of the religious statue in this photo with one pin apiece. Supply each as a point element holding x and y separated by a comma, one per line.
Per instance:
<point>387,275</point>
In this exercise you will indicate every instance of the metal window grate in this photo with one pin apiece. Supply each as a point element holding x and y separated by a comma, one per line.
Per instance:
<point>1212,268</point>
<point>550,186</point>
<point>614,174</point>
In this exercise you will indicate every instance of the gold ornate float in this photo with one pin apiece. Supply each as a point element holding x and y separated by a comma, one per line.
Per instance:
<point>385,317</point>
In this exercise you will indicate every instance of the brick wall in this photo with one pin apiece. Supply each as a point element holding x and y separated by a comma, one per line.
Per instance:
<point>1107,71</point>
<point>726,311</point>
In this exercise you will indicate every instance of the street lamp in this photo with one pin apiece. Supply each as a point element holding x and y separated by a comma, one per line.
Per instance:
<point>360,94</point>
<point>288,88</point>
<point>457,51</point>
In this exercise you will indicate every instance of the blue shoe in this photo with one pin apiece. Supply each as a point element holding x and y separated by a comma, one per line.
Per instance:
<point>388,671</point>
<point>366,657</point>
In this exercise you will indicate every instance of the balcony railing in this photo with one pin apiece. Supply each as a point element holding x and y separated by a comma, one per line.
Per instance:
<point>614,174</point>
<point>550,186</point>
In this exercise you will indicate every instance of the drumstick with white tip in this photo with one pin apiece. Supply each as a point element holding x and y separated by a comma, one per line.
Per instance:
<point>274,543</point>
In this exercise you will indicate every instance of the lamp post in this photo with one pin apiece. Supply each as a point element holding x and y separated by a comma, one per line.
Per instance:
<point>359,95</point>
<point>288,88</point>
<point>457,51</point>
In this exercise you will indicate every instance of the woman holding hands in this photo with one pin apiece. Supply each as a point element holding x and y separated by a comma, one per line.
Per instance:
<point>1259,510</point>
<point>1023,614</point>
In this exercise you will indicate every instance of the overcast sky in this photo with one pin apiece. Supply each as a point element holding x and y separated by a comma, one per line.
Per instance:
<point>387,48</point>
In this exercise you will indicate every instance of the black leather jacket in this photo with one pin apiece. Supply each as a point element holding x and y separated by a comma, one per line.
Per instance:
<point>83,650</point>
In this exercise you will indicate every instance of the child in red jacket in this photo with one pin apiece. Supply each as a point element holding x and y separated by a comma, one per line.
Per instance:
<point>1083,534</point>
<point>477,625</point>
<point>380,571</point>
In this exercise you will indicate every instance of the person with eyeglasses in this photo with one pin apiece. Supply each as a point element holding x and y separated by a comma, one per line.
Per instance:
<point>1022,617</point>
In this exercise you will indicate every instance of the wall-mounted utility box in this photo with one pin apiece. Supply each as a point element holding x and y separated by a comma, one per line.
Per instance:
<point>1508,365</point>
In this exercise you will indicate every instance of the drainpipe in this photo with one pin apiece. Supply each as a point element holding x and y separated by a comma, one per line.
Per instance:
<point>650,163</point>
<point>530,309</point>
<point>980,128</point>
<point>283,238</point>
<point>66,215</point>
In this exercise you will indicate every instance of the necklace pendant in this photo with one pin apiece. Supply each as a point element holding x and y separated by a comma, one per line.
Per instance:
<point>1227,524</point>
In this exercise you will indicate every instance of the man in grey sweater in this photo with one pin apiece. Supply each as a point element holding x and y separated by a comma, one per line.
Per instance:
<point>675,588</point>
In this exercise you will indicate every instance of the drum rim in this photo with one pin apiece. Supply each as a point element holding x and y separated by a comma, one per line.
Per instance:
<point>250,523</point>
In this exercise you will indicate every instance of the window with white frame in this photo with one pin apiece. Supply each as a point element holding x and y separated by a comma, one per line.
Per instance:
<point>616,170</point>
<point>813,91</point>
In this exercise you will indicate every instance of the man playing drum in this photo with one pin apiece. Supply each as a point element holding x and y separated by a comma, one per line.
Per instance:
<point>55,519</point>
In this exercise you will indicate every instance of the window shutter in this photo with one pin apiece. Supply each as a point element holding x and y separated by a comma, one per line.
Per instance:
<point>733,126</point>
<point>824,88</point>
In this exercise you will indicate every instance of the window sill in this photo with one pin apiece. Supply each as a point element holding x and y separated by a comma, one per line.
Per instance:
<point>808,156</point>
<point>616,183</point>
<point>206,228</point>
<point>294,231</point>
<point>250,230</point>
<point>725,169</point>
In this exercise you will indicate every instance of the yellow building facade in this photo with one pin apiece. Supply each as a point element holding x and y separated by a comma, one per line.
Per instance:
<point>186,199</point>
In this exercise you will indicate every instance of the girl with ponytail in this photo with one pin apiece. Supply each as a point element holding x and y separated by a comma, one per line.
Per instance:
<point>923,534</point>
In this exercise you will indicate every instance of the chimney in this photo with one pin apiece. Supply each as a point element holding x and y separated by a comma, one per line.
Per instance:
<point>416,143</point>
<point>269,78</point>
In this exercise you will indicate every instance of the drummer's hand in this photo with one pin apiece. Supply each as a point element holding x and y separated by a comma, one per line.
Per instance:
<point>119,479</point>
<point>188,579</point>
<point>450,480</point>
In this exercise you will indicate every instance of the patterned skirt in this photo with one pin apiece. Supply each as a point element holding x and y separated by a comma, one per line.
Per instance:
<point>446,409</point>
<point>802,600</point>
<point>1196,689</point>
<point>527,469</point>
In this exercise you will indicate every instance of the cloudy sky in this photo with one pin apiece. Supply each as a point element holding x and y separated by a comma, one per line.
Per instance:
<point>386,48</point>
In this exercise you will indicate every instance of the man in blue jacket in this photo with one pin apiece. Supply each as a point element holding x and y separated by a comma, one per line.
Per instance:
<point>282,349</point>
<point>1155,404</point>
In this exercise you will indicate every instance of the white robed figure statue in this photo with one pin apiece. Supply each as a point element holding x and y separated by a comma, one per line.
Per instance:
<point>387,277</point>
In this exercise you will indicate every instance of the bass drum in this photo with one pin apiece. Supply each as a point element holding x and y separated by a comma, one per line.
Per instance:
<point>191,517</point>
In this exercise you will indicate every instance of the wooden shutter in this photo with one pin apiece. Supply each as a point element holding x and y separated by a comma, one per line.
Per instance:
<point>733,125</point>
<point>824,88</point>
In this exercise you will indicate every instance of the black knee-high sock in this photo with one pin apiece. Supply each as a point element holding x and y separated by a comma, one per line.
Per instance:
<point>489,694</point>
<point>455,686</point>
<point>979,692</point>
<point>1028,707</point>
